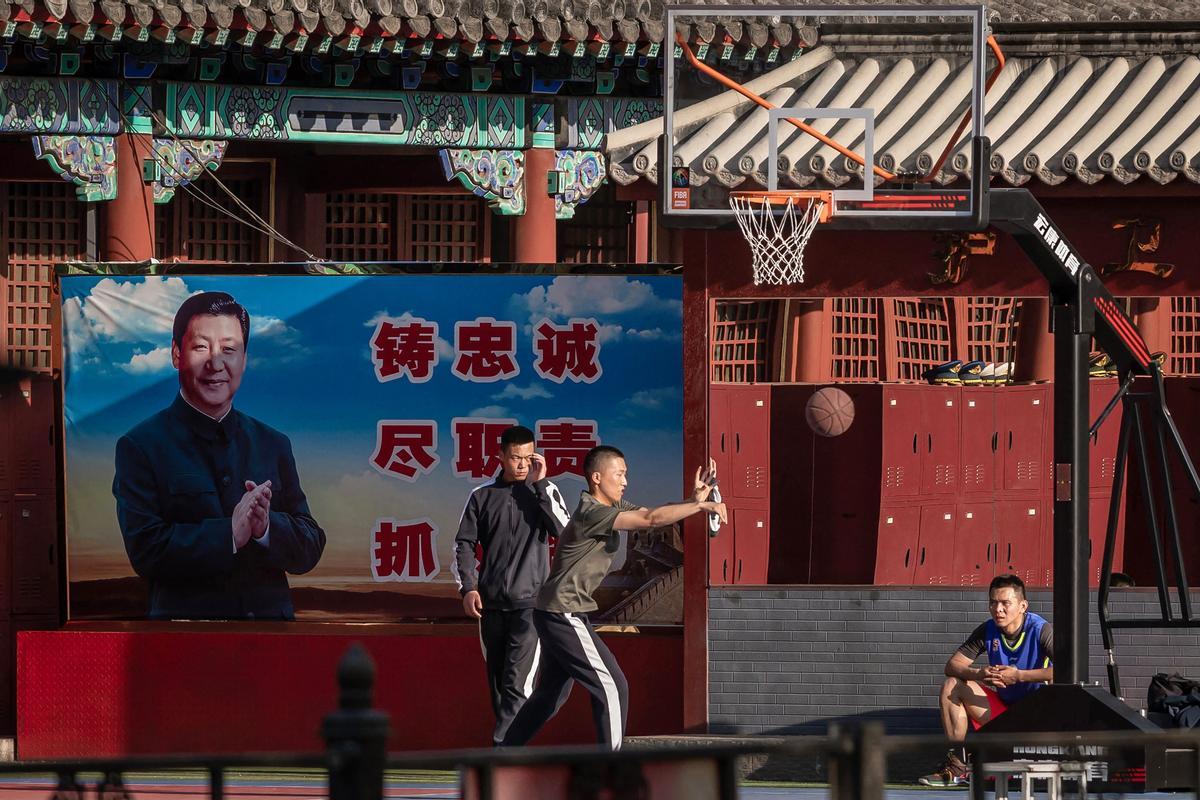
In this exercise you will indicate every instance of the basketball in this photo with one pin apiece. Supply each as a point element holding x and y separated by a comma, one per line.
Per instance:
<point>829,412</point>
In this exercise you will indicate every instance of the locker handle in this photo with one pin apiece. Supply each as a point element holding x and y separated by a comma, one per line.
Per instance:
<point>722,443</point>
<point>989,553</point>
<point>995,440</point>
<point>930,435</point>
<point>1010,440</point>
<point>725,570</point>
<point>914,442</point>
<point>922,556</point>
<point>907,555</point>
<point>737,443</point>
<point>1010,551</point>
<point>739,577</point>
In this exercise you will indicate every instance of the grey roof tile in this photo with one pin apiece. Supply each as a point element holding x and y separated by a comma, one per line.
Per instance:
<point>1082,117</point>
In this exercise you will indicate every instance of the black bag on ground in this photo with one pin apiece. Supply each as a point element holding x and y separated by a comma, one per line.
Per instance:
<point>1176,696</point>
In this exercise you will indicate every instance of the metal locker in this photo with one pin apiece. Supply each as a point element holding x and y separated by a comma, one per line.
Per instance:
<point>974,544</point>
<point>1023,415</point>
<point>34,555</point>
<point>30,416</point>
<point>935,546</point>
<point>8,416</point>
<point>1098,529</point>
<point>1102,448</point>
<point>751,545</point>
<point>6,592</point>
<point>750,459</point>
<point>980,440</point>
<point>720,439</point>
<point>939,440</point>
<point>895,549</point>
<point>901,449</point>
<point>720,555</point>
<point>1019,540</point>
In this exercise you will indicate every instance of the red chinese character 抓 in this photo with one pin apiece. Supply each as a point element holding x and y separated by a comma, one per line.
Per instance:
<point>405,448</point>
<point>564,443</point>
<point>477,445</point>
<point>567,351</point>
<point>404,346</point>
<point>404,551</point>
<point>486,350</point>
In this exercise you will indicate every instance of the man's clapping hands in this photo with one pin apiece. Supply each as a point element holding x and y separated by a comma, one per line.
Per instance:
<point>252,513</point>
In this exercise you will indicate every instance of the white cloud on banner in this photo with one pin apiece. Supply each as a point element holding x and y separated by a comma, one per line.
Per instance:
<point>445,350</point>
<point>653,398</point>
<point>652,335</point>
<point>157,360</point>
<point>134,311</point>
<point>489,412</point>
<point>530,392</point>
<point>588,296</point>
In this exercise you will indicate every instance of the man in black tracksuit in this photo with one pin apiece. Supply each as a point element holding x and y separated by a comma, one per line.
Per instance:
<point>512,519</point>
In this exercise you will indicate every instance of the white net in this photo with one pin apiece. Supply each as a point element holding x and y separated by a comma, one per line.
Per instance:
<point>777,229</point>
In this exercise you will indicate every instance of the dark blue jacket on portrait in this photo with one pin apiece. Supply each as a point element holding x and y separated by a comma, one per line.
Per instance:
<point>179,475</point>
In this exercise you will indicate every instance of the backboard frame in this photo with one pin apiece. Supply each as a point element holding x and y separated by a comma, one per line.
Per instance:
<point>968,209</point>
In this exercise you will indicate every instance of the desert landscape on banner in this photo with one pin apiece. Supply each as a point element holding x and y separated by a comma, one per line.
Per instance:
<point>373,405</point>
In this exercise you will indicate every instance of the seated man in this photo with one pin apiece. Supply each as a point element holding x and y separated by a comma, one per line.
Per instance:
<point>1020,651</point>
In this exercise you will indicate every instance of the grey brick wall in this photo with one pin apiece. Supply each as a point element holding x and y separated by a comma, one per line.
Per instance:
<point>791,660</point>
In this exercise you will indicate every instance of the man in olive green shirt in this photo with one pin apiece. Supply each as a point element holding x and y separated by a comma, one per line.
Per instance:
<point>571,650</point>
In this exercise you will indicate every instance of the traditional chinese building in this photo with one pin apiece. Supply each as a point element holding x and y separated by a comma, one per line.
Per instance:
<point>441,131</point>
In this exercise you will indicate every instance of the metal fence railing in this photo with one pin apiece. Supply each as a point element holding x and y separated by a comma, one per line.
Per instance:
<point>856,761</point>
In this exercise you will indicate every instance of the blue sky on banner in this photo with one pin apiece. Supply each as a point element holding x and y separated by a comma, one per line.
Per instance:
<point>311,375</point>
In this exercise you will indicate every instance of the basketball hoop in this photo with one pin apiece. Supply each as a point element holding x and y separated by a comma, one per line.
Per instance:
<point>777,226</point>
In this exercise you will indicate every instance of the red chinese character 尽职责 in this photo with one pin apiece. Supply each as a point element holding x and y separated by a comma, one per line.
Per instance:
<point>405,449</point>
<point>477,445</point>
<point>564,442</point>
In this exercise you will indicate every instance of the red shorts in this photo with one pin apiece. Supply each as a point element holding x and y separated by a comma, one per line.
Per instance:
<point>995,704</point>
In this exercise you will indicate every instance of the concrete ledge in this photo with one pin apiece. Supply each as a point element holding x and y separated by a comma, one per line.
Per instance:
<point>902,767</point>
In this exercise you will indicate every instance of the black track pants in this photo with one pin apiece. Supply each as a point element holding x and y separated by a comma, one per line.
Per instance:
<point>511,650</point>
<point>571,651</point>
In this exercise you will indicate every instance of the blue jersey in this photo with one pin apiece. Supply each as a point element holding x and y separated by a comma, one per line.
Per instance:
<point>1026,653</point>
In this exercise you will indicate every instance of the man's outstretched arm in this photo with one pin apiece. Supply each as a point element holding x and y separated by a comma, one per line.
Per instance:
<point>641,518</point>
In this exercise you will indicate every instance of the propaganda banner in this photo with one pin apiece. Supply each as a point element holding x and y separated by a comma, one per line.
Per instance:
<point>302,446</point>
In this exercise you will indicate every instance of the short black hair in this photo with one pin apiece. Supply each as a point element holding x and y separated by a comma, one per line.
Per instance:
<point>596,456</point>
<point>215,303</point>
<point>517,434</point>
<point>1008,582</point>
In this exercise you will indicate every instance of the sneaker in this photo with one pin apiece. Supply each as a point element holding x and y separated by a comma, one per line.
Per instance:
<point>950,773</point>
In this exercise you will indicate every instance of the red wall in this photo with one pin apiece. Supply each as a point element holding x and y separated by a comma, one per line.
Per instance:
<point>897,263</point>
<point>85,693</point>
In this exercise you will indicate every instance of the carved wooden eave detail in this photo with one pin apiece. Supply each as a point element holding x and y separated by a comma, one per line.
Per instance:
<point>497,176</point>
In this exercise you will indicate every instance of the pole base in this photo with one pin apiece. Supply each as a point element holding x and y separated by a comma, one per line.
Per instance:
<point>1071,708</point>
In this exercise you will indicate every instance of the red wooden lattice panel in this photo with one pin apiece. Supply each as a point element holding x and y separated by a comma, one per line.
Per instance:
<point>921,336</point>
<point>743,338</point>
<point>444,228</point>
<point>599,232</point>
<point>44,225</point>
<point>406,227</point>
<point>203,223</point>
<point>854,338</point>
<point>1184,356</point>
<point>991,327</point>
<point>358,227</point>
